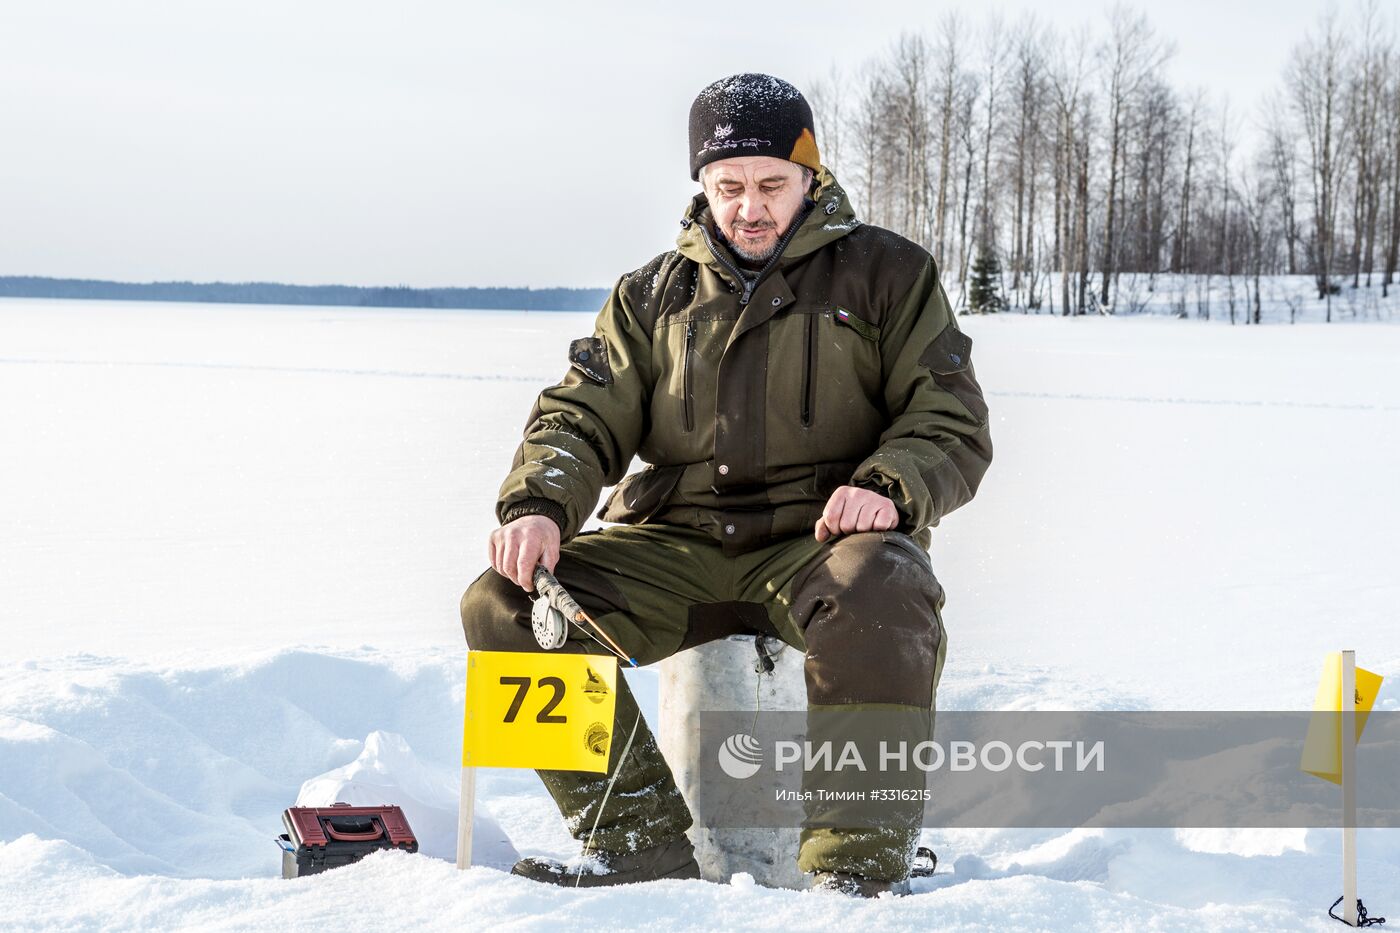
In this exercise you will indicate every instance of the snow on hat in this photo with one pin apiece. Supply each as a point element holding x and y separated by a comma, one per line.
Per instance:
<point>751,115</point>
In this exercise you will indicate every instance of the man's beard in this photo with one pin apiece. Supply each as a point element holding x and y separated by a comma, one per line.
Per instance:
<point>760,255</point>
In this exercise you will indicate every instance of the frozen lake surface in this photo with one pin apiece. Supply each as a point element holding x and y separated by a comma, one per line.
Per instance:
<point>236,537</point>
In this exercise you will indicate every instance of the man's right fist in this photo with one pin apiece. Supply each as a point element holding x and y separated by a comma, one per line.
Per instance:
<point>516,548</point>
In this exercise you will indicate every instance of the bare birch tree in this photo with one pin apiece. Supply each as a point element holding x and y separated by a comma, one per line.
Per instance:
<point>1133,53</point>
<point>1315,78</point>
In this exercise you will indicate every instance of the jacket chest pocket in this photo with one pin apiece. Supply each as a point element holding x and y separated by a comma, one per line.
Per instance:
<point>809,367</point>
<point>840,360</point>
<point>688,379</point>
<point>686,358</point>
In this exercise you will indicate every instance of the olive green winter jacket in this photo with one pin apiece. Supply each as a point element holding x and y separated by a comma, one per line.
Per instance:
<point>753,396</point>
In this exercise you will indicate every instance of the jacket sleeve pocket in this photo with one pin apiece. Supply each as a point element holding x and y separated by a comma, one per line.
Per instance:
<point>949,358</point>
<point>589,355</point>
<point>950,352</point>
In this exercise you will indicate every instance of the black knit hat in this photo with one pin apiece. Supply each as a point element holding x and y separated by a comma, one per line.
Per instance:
<point>751,115</point>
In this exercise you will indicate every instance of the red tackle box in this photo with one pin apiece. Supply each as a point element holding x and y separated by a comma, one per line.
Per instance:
<point>318,838</point>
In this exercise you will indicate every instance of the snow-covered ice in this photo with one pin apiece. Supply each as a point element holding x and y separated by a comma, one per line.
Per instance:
<point>236,537</point>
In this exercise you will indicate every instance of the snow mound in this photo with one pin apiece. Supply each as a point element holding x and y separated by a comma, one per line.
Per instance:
<point>186,772</point>
<point>387,771</point>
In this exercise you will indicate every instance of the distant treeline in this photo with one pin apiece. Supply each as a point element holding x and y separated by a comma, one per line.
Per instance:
<point>272,293</point>
<point>1077,152</point>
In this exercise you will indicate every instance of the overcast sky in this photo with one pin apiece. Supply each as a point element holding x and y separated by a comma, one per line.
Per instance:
<point>428,144</point>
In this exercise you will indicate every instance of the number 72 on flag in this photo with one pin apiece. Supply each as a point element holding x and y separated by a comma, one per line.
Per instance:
<point>532,710</point>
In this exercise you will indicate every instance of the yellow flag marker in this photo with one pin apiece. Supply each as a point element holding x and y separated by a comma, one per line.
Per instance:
<point>1322,748</point>
<point>532,710</point>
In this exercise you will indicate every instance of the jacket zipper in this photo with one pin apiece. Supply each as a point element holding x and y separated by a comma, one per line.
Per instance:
<point>751,284</point>
<point>685,375</point>
<point>733,269</point>
<point>808,369</point>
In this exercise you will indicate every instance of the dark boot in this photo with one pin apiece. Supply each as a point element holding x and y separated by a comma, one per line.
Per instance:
<point>674,859</point>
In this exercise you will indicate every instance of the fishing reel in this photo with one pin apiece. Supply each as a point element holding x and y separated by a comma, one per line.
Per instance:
<point>549,625</point>
<point>555,610</point>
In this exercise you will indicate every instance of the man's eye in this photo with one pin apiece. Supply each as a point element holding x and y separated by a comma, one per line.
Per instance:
<point>772,189</point>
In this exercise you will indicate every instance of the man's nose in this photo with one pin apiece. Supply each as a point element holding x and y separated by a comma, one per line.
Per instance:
<point>751,209</point>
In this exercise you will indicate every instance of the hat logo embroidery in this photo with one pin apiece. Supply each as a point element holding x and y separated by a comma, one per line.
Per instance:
<point>714,145</point>
<point>723,131</point>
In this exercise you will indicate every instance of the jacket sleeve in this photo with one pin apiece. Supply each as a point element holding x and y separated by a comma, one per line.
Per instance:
<point>937,447</point>
<point>583,432</point>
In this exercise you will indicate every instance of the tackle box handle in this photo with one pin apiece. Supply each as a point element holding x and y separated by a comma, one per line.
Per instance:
<point>344,835</point>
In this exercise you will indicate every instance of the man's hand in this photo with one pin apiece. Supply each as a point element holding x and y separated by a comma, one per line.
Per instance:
<point>516,548</point>
<point>851,508</point>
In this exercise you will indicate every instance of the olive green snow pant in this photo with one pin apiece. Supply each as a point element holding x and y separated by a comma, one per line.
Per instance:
<point>865,608</point>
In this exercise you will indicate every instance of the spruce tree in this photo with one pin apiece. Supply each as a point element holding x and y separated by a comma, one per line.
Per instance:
<point>984,291</point>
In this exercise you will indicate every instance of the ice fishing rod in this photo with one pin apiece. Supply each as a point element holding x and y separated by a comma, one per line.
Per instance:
<point>555,609</point>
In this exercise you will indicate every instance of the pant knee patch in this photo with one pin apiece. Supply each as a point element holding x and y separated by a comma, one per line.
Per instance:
<point>496,615</point>
<point>869,610</point>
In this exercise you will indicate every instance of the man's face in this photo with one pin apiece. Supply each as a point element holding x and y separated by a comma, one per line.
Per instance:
<point>754,201</point>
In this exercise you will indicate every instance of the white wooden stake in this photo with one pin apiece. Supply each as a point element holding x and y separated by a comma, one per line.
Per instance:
<point>466,802</point>
<point>1349,787</point>
<point>466,809</point>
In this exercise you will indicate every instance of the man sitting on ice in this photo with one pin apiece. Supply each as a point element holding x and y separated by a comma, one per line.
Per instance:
<point>806,405</point>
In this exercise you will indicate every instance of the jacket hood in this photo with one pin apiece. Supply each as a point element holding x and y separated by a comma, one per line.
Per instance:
<point>832,218</point>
